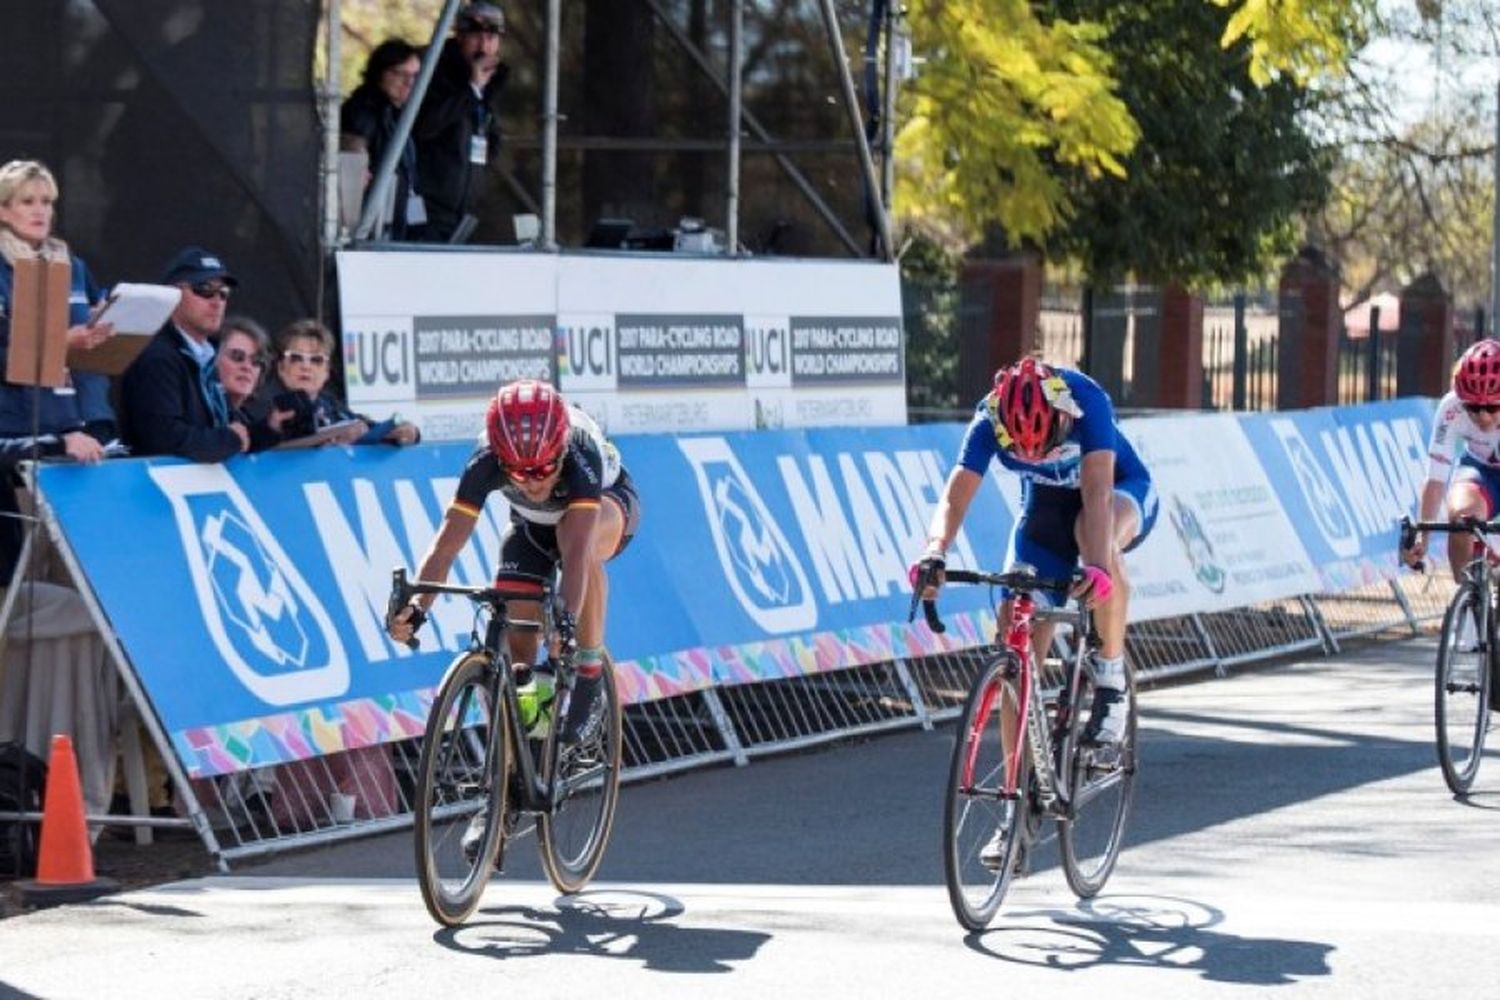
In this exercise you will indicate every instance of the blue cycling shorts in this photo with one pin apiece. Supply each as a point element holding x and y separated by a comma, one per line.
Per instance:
<point>1045,536</point>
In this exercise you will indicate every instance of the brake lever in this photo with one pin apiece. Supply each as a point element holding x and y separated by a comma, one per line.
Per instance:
<point>400,594</point>
<point>929,606</point>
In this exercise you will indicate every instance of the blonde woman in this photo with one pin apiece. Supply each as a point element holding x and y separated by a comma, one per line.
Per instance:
<point>78,413</point>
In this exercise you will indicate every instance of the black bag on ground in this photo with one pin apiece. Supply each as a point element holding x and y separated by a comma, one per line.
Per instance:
<point>23,779</point>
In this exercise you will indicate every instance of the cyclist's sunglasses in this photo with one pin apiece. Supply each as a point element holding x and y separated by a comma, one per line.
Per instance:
<point>532,474</point>
<point>1482,407</point>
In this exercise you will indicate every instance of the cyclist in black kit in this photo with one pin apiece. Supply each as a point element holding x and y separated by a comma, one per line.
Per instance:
<point>571,503</point>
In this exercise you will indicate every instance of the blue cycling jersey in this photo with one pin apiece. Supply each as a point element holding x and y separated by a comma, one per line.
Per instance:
<point>1094,431</point>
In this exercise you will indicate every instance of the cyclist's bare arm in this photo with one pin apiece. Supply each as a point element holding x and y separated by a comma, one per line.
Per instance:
<point>1431,504</point>
<point>948,515</point>
<point>453,534</point>
<point>1096,486</point>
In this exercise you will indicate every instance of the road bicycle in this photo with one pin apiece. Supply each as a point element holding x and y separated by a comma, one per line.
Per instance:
<point>1468,665</point>
<point>477,761</point>
<point>1021,759</point>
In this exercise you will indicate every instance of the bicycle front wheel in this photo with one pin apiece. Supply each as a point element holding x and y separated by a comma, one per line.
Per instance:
<point>459,787</point>
<point>585,784</point>
<point>983,823</point>
<point>1462,695</point>
<point>1102,785</point>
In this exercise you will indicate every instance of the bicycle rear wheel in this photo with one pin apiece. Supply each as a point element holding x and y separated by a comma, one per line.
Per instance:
<point>1462,696</point>
<point>460,776</point>
<point>978,818</point>
<point>585,782</point>
<point>1102,785</point>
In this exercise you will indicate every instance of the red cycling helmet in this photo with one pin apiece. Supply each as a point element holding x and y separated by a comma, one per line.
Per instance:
<point>1026,422</point>
<point>1476,377</point>
<point>527,424</point>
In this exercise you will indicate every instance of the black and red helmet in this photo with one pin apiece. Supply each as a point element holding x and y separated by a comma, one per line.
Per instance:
<point>527,424</point>
<point>1026,422</point>
<point>1476,377</point>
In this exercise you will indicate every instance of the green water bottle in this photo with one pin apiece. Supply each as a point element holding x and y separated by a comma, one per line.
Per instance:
<point>535,697</point>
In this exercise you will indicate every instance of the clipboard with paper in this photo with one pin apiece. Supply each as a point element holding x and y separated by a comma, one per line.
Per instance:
<point>136,312</point>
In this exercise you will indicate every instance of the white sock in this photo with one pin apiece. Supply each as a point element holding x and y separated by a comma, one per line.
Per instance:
<point>1110,673</point>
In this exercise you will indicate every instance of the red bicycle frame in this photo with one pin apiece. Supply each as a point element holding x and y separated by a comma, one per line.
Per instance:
<point>1018,641</point>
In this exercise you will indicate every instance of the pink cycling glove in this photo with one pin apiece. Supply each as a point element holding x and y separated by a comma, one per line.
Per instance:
<point>1099,582</point>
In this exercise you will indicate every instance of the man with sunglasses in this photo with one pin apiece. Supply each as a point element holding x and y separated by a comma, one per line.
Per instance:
<point>457,130</point>
<point>571,504</point>
<point>1467,424</point>
<point>171,399</point>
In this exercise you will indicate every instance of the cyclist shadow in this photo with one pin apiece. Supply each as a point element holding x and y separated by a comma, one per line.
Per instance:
<point>637,926</point>
<point>1154,932</point>
<point>1486,800</point>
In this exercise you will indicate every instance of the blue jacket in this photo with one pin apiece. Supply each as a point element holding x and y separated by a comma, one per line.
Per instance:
<point>84,403</point>
<point>163,403</point>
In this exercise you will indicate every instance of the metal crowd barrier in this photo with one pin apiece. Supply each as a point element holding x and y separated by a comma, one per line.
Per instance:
<point>735,724</point>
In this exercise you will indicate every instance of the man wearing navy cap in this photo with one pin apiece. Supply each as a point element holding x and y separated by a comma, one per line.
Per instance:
<point>170,402</point>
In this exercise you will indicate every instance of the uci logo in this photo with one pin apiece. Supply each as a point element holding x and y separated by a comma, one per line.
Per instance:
<point>1324,501</point>
<point>376,357</point>
<point>762,570</point>
<point>585,347</point>
<point>268,625</point>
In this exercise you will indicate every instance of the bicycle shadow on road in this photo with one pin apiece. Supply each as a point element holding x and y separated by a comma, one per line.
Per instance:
<point>637,926</point>
<point>1159,932</point>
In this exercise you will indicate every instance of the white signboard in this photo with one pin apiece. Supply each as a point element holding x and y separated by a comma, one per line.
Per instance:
<point>644,342</point>
<point>1222,539</point>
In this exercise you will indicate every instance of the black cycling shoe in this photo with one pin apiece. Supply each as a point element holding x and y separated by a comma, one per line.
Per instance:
<point>582,720</point>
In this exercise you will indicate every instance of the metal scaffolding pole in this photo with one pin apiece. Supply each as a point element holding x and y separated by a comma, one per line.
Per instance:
<point>1495,231</point>
<point>851,106</point>
<point>331,94</point>
<point>385,173</point>
<point>758,130</point>
<point>888,109</point>
<point>732,176</point>
<point>549,126</point>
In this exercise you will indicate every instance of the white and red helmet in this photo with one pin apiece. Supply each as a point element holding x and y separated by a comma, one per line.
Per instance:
<point>527,424</point>
<point>1476,377</point>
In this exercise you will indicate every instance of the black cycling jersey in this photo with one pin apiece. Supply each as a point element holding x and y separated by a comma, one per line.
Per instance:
<point>590,464</point>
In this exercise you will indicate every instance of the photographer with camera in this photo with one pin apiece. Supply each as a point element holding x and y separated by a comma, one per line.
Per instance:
<point>457,130</point>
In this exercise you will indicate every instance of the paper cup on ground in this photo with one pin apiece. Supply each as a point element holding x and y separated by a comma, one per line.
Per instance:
<point>342,807</point>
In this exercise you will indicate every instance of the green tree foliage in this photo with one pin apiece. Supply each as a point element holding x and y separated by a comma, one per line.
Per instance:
<point>1011,109</point>
<point>1225,168</point>
<point>1003,98</point>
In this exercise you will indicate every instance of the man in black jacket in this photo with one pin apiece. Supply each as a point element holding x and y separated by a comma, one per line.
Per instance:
<point>457,131</point>
<point>171,399</point>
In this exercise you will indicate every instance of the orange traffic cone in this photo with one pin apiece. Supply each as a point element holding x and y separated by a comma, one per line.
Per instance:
<point>65,862</point>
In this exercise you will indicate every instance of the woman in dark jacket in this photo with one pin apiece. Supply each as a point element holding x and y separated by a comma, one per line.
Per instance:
<point>368,121</point>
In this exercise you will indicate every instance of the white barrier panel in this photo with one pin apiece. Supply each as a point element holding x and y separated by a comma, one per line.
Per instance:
<point>644,343</point>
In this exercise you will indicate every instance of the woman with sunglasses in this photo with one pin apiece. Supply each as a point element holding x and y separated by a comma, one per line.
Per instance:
<point>1467,424</point>
<point>367,121</point>
<point>300,384</point>
<point>239,365</point>
<point>572,504</point>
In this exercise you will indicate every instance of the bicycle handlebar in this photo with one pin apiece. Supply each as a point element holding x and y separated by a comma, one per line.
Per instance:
<point>403,590</point>
<point>1020,580</point>
<point>1476,526</point>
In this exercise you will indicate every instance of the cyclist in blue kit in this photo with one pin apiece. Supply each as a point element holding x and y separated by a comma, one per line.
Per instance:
<point>1085,493</point>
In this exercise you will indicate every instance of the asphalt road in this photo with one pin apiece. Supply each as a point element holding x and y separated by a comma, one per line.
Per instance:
<point>1291,833</point>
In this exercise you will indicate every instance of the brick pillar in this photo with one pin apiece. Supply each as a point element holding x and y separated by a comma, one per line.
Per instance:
<point>1001,306</point>
<point>1168,358</point>
<point>1309,322</point>
<point>1425,340</point>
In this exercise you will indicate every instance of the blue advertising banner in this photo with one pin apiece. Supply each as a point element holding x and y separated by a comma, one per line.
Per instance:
<point>250,596</point>
<point>1345,476</point>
